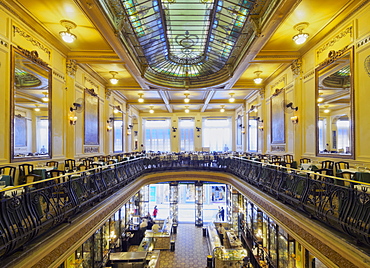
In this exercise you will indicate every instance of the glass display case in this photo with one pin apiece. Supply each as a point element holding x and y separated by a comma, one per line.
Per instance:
<point>213,237</point>
<point>229,257</point>
<point>174,198</point>
<point>162,239</point>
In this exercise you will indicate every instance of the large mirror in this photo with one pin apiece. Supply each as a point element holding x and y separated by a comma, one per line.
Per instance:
<point>253,121</point>
<point>334,109</point>
<point>31,108</point>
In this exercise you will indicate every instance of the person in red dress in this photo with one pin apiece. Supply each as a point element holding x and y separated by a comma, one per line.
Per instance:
<point>155,212</point>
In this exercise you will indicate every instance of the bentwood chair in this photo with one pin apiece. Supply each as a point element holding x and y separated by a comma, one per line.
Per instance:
<point>348,176</point>
<point>52,164</point>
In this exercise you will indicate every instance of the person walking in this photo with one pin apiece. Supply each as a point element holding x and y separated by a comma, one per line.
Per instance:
<point>155,212</point>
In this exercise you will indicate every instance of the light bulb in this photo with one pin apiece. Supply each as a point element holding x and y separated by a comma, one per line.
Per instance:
<point>186,110</point>
<point>232,99</point>
<point>300,38</point>
<point>320,99</point>
<point>113,81</point>
<point>151,110</point>
<point>257,80</point>
<point>326,111</point>
<point>222,110</point>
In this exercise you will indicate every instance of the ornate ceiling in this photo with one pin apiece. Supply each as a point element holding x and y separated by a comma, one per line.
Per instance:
<point>205,48</point>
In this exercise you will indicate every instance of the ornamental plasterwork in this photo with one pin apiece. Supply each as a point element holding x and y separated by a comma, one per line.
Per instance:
<point>108,93</point>
<point>296,67</point>
<point>29,38</point>
<point>71,68</point>
<point>339,36</point>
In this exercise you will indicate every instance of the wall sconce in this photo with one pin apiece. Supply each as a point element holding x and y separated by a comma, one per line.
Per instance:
<point>186,100</point>
<point>198,129</point>
<point>258,79</point>
<point>113,80</point>
<point>253,109</point>
<point>67,36</point>
<point>109,125</point>
<point>290,105</point>
<point>117,109</point>
<point>141,100</point>
<point>222,110</point>
<point>187,109</point>
<point>260,127</point>
<point>259,120</point>
<point>72,119</point>
<point>129,127</point>
<point>231,99</point>
<point>45,98</point>
<point>294,119</point>
<point>300,38</point>
<point>174,129</point>
<point>151,110</point>
<point>243,128</point>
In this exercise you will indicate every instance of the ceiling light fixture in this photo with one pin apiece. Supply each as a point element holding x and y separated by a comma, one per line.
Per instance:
<point>321,99</point>
<point>222,110</point>
<point>187,109</point>
<point>186,100</point>
<point>326,111</point>
<point>141,100</point>
<point>300,38</point>
<point>232,99</point>
<point>258,79</point>
<point>113,80</point>
<point>151,110</point>
<point>36,109</point>
<point>45,98</point>
<point>67,36</point>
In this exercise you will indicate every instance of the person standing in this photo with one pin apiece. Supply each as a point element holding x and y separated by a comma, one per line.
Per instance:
<point>155,212</point>
<point>221,232</point>
<point>222,214</point>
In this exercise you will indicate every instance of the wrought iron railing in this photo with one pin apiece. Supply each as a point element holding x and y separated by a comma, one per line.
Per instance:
<point>27,211</point>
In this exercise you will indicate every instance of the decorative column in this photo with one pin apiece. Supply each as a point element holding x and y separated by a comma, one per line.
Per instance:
<point>144,200</point>
<point>174,199</point>
<point>198,203</point>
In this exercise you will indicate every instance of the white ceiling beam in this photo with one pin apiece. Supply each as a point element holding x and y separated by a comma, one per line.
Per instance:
<point>209,97</point>
<point>165,98</point>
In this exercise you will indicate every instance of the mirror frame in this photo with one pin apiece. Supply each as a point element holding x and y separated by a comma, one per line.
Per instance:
<point>34,57</point>
<point>332,57</point>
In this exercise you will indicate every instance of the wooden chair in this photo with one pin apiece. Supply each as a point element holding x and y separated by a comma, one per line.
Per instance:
<point>24,170</point>
<point>304,160</point>
<point>341,165</point>
<point>8,170</point>
<point>32,178</point>
<point>348,176</point>
<point>327,164</point>
<point>54,173</point>
<point>82,167</point>
<point>87,163</point>
<point>52,164</point>
<point>70,164</point>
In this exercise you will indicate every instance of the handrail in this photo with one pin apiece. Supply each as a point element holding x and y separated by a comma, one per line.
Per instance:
<point>25,215</point>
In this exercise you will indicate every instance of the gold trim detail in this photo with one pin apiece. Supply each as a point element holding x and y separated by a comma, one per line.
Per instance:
<point>34,42</point>
<point>344,33</point>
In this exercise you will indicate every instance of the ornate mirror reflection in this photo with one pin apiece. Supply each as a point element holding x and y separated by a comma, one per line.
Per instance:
<point>31,108</point>
<point>334,110</point>
<point>118,133</point>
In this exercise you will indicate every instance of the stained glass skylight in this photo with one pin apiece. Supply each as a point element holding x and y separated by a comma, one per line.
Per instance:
<point>175,40</point>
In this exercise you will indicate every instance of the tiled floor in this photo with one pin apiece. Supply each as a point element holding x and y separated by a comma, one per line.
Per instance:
<point>190,249</point>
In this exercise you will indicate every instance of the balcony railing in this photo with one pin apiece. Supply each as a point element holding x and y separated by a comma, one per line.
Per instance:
<point>30,210</point>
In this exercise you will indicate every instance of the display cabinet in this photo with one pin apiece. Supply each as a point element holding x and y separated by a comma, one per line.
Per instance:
<point>229,257</point>
<point>199,204</point>
<point>213,237</point>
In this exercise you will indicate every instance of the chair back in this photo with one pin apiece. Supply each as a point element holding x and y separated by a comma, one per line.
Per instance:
<point>8,170</point>
<point>32,178</point>
<point>54,173</point>
<point>327,164</point>
<point>288,158</point>
<point>25,169</point>
<point>341,165</point>
<point>52,164</point>
<point>82,167</point>
<point>318,175</point>
<point>348,176</point>
<point>304,160</point>
<point>87,163</point>
<point>70,164</point>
